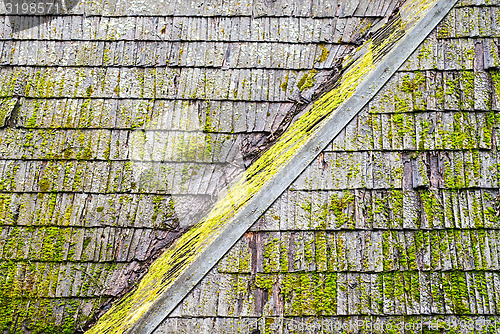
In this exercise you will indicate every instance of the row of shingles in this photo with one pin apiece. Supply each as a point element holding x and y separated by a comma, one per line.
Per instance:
<point>297,30</point>
<point>77,244</point>
<point>106,145</point>
<point>79,280</point>
<point>258,85</point>
<point>467,169</point>
<point>207,325</point>
<point>322,8</point>
<point>182,29</point>
<point>404,93</point>
<point>382,209</point>
<point>471,21</point>
<point>116,181</point>
<point>21,315</point>
<point>343,293</point>
<point>461,53</point>
<point>386,170</point>
<point>425,118</point>
<point>479,3</point>
<point>238,55</point>
<point>433,90</point>
<point>423,131</point>
<point>362,324</point>
<point>365,251</point>
<point>90,210</point>
<point>296,8</point>
<point>116,115</point>
<point>132,175</point>
<point>109,176</point>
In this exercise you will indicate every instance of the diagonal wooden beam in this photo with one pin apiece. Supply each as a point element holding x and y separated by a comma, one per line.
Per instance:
<point>172,276</point>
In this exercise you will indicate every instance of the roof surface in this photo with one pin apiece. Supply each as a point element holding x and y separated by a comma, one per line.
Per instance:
<point>86,97</point>
<point>396,221</point>
<point>403,202</point>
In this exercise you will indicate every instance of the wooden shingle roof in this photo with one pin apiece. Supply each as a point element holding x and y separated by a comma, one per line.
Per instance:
<point>354,237</point>
<point>87,95</point>
<point>395,224</point>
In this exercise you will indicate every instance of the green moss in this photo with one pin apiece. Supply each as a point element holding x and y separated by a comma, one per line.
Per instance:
<point>284,256</point>
<point>411,85</point>
<point>307,80</point>
<point>44,185</point>
<point>387,250</point>
<point>264,281</point>
<point>321,251</point>
<point>436,245</point>
<point>271,255</point>
<point>433,208</point>
<point>323,56</point>
<point>495,77</point>
<point>284,84</point>
<point>388,284</point>
<point>444,29</point>
<point>308,251</point>
<point>342,208</point>
<point>395,199</point>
